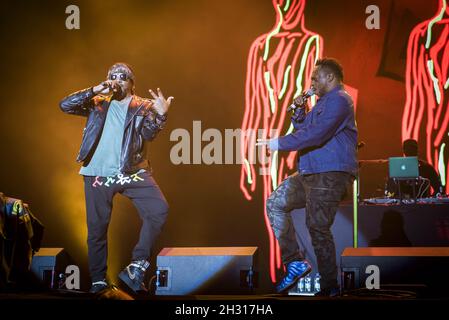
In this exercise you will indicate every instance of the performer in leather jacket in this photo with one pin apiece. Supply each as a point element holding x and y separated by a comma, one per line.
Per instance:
<point>113,161</point>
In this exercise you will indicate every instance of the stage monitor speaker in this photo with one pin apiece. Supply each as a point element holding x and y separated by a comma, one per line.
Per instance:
<point>425,267</point>
<point>49,265</point>
<point>206,270</point>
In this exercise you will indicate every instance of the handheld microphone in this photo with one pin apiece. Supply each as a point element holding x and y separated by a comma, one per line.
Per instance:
<point>305,95</point>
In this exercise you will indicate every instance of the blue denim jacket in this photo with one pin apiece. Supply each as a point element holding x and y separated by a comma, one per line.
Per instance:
<point>326,137</point>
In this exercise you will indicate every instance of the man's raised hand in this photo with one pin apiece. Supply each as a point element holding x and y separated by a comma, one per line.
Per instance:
<point>160,104</point>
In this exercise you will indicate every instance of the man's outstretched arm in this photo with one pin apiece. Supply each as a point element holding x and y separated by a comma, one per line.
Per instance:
<point>80,102</point>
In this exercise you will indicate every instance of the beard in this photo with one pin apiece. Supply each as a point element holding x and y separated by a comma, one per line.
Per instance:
<point>118,93</point>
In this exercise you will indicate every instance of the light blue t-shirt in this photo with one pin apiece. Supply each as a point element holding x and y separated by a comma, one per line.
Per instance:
<point>106,159</point>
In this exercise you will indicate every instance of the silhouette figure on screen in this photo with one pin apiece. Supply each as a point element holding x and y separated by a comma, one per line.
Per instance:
<point>280,65</point>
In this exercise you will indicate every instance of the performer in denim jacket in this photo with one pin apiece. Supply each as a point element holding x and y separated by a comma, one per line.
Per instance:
<point>326,140</point>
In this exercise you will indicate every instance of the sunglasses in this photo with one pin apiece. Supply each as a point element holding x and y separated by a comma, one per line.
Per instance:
<point>116,76</point>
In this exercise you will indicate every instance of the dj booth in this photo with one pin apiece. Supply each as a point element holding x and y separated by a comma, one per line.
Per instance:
<point>383,223</point>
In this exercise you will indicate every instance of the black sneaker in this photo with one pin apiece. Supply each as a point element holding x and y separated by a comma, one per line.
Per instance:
<point>98,286</point>
<point>134,275</point>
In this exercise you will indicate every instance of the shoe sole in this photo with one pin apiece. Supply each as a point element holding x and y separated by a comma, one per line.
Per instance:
<point>98,291</point>
<point>123,276</point>
<point>296,280</point>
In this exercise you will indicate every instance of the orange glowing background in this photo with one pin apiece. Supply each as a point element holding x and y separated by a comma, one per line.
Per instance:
<point>196,51</point>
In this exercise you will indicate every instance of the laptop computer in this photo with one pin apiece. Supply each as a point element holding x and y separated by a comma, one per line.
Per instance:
<point>403,167</point>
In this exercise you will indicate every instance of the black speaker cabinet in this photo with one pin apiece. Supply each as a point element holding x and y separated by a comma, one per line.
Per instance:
<point>206,270</point>
<point>398,267</point>
<point>49,265</point>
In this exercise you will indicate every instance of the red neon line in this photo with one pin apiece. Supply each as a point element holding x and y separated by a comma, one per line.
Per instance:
<point>288,50</point>
<point>426,97</point>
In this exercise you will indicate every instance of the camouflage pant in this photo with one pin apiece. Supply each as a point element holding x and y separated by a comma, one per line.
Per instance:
<point>320,194</point>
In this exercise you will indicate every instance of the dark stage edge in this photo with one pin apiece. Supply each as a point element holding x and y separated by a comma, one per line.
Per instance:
<point>386,293</point>
<point>111,302</point>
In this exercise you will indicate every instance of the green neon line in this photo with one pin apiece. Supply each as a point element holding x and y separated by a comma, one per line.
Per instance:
<point>441,166</point>
<point>435,81</point>
<point>284,85</point>
<point>270,91</point>
<point>355,205</point>
<point>303,63</point>
<point>432,22</point>
<point>287,4</point>
<point>446,85</point>
<point>274,170</point>
<point>250,179</point>
<point>271,34</point>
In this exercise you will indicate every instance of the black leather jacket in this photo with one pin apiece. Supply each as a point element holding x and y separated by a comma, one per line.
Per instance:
<point>142,124</point>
